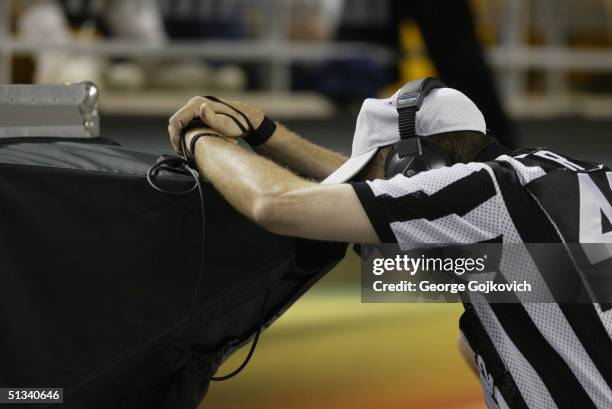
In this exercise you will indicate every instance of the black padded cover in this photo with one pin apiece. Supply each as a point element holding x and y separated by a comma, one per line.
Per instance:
<point>97,274</point>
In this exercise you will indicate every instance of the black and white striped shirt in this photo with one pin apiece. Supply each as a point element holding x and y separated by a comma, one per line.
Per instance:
<point>530,355</point>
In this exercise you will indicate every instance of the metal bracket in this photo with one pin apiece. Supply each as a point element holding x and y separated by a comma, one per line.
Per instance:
<point>66,111</point>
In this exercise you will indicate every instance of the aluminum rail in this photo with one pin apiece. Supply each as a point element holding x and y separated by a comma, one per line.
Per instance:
<point>561,58</point>
<point>225,50</point>
<point>558,58</point>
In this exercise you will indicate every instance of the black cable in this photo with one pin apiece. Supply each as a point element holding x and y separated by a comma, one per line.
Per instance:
<point>172,164</point>
<point>253,344</point>
<point>186,166</point>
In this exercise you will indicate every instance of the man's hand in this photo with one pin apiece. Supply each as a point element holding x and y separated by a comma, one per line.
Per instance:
<point>284,146</point>
<point>216,115</point>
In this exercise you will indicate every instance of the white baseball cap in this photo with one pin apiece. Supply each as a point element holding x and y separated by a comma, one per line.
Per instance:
<point>443,110</point>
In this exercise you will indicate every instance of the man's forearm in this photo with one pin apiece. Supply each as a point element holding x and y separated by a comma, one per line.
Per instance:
<point>279,200</point>
<point>303,156</point>
<point>242,177</point>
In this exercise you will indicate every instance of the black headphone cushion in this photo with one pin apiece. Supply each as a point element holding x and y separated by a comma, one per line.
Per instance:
<point>409,157</point>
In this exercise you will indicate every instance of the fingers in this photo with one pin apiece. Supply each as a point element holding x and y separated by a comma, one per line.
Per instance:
<point>221,108</point>
<point>218,107</point>
<point>181,118</point>
<point>212,113</point>
<point>220,123</point>
<point>254,115</point>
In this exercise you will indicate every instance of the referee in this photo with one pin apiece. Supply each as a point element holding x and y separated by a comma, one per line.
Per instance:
<point>431,175</point>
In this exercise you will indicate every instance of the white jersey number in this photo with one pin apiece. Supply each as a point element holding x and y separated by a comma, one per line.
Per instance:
<point>594,207</point>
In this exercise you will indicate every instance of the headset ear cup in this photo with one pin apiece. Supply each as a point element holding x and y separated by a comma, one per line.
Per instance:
<point>389,161</point>
<point>433,154</point>
<point>403,159</point>
<point>396,163</point>
<point>413,156</point>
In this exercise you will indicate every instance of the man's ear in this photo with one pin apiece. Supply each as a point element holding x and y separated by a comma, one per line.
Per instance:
<point>376,168</point>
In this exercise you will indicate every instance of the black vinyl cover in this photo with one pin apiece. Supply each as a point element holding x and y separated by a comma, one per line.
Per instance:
<point>98,270</point>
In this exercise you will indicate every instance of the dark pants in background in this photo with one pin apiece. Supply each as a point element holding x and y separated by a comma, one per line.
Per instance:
<point>447,27</point>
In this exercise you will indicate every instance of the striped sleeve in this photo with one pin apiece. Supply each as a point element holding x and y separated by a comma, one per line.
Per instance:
<point>456,204</point>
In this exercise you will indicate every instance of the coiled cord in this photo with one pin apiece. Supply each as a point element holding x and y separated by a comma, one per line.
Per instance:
<point>186,166</point>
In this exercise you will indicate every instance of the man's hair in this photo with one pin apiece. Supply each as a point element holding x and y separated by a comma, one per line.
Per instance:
<point>462,146</point>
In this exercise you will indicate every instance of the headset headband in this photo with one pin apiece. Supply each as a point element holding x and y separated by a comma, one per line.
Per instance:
<point>409,101</point>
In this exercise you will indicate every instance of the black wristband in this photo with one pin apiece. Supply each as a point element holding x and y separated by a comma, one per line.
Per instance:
<point>261,134</point>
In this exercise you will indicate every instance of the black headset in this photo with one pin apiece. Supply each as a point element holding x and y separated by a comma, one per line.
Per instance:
<point>414,153</point>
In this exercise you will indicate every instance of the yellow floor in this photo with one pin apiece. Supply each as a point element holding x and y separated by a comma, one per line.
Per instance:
<point>331,352</point>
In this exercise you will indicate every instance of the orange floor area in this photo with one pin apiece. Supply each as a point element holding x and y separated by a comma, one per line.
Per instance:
<point>331,352</point>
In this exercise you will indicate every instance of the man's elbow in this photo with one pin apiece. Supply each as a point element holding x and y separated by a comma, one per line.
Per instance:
<point>268,213</point>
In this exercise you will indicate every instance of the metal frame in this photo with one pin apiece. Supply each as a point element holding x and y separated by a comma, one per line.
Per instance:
<point>273,49</point>
<point>513,57</point>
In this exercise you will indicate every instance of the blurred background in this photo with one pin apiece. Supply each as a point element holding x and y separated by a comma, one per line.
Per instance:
<point>541,71</point>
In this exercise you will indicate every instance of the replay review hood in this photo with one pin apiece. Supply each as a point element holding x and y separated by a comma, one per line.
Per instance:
<point>98,271</point>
